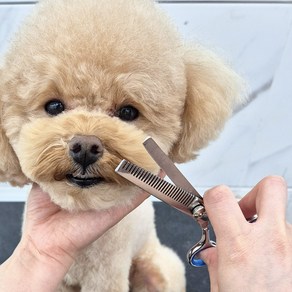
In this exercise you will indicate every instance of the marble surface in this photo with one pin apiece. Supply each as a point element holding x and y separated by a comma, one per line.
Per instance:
<point>257,40</point>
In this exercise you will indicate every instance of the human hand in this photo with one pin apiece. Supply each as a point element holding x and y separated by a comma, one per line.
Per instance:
<point>51,239</point>
<point>60,234</point>
<point>250,256</point>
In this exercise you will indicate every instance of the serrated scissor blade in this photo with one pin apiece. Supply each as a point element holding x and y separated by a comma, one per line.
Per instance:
<point>163,190</point>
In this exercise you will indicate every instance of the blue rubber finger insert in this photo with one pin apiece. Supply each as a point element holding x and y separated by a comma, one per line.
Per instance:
<point>197,262</point>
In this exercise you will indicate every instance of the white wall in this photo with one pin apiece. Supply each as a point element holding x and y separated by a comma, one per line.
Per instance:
<point>257,40</point>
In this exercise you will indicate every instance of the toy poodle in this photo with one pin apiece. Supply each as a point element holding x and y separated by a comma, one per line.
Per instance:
<point>81,86</point>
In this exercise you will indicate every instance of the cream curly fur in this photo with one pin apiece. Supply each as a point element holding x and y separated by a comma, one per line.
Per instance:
<point>97,56</point>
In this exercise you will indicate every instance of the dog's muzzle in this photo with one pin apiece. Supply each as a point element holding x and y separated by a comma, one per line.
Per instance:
<point>85,151</point>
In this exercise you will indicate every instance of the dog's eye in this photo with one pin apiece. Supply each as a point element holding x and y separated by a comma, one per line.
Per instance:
<point>54,107</point>
<point>128,113</point>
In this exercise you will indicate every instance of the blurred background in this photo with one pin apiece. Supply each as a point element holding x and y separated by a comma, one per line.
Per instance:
<point>255,38</point>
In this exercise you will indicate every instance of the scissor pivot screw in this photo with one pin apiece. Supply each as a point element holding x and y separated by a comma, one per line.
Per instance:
<point>199,212</point>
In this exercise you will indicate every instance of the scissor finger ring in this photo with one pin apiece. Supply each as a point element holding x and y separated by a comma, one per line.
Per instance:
<point>204,243</point>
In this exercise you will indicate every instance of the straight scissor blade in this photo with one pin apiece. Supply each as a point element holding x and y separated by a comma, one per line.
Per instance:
<point>169,167</point>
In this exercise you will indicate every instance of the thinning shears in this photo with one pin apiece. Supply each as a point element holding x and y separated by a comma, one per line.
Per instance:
<point>180,195</point>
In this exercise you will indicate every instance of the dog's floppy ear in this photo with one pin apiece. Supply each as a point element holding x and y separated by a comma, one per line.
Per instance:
<point>10,170</point>
<point>213,91</point>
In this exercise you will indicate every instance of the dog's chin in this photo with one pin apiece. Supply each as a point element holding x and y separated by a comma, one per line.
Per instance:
<point>84,182</point>
<point>77,193</point>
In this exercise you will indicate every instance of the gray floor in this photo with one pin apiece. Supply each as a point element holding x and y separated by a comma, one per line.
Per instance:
<point>175,230</point>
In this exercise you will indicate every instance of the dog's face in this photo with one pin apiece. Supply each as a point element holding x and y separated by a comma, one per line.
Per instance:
<point>76,99</point>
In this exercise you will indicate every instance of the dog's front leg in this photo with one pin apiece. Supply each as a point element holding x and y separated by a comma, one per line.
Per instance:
<point>157,269</point>
<point>100,268</point>
<point>112,276</point>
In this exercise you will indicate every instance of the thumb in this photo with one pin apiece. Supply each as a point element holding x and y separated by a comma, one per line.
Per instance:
<point>209,256</point>
<point>37,196</point>
<point>39,204</point>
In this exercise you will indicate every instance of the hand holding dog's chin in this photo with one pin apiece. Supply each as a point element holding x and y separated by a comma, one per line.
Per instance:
<point>51,240</point>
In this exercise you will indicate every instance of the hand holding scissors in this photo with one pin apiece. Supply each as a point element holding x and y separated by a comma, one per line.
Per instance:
<point>181,196</point>
<point>243,247</point>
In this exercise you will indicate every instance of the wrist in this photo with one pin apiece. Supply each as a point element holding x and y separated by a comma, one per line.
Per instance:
<point>28,269</point>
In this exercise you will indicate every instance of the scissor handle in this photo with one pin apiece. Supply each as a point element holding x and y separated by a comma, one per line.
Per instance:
<point>204,243</point>
<point>193,253</point>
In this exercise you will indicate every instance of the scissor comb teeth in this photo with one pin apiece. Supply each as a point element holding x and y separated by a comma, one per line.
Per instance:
<point>154,182</point>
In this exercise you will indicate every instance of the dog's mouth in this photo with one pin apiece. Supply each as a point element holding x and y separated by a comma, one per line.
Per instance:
<point>84,182</point>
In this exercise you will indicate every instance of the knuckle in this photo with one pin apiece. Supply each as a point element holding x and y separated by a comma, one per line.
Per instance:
<point>274,180</point>
<point>239,253</point>
<point>279,244</point>
<point>216,195</point>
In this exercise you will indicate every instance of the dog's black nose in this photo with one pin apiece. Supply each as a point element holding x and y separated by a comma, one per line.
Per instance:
<point>85,150</point>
